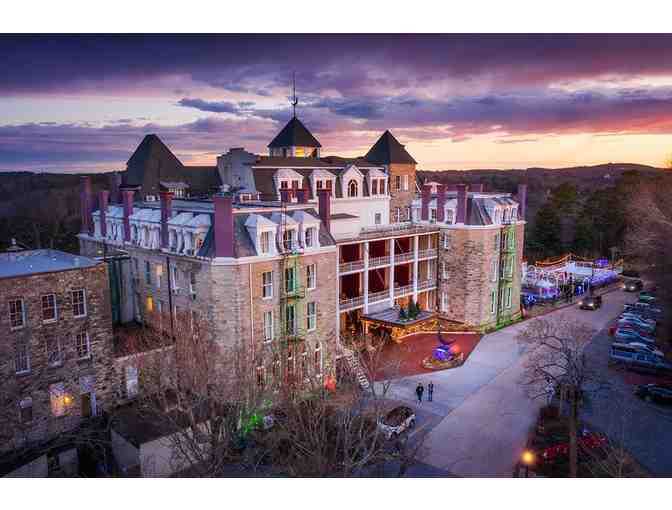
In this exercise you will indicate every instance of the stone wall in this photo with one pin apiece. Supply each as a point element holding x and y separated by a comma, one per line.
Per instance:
<point>401,199</point>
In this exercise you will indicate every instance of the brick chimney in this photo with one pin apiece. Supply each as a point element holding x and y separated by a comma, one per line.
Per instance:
<point>103,197</point>
<point>426,196</point>
<point>285,196</point>
<point>461,203</point>
<point>166,213</point>
<point>115,183</point>
<point>324,206</point>
<point>522,200</point>
<point>477,188</point>
<point>223,225</point>
<point>127,195</point>
<point>441,203</point>
<point>85,202</point>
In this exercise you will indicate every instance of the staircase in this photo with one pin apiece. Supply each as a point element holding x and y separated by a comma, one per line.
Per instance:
<point>353,363</point>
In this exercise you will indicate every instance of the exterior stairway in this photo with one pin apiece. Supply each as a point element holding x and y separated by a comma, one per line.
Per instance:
<point>353,363</point>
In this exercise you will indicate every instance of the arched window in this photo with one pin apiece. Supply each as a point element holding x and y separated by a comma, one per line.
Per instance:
<point>352,188</point>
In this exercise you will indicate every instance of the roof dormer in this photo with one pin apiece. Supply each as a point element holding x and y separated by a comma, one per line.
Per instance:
<point>294,140</point>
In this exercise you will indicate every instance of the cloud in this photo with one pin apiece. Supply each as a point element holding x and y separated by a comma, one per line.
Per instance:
<point>210,106</point>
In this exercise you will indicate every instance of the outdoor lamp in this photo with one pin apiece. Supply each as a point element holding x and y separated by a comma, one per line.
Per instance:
<point>527,457</point>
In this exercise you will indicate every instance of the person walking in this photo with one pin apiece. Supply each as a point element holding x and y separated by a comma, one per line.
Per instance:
<point>430,391</point>
<point>419,391</point>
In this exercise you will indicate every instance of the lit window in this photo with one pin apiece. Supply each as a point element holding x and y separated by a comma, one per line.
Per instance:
<point>268,326</point>
<point>265,242</point>
<point>54,351</point>
<point>311,316</point>
<point>352,188</point>
<point>149,304</point>
<point>26,410</point>
<point>79,303</point>
<point>22,357</point>
<point>17,314</point>
<point>49,308</point>
<point>267,284</point>
<point>59,400</point>
<point>82,345</point>
<point>311,276</point>
<point>159,274</point>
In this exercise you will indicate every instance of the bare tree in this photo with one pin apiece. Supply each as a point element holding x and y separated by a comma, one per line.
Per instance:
<point>556,362</point>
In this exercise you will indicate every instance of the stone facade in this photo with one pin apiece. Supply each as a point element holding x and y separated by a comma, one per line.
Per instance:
<point>88,382</point>
<point>401,198</point>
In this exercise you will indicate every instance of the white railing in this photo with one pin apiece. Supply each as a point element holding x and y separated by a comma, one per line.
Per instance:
<point>379,261</point>
<point>374,297</point>
<point>400,291</point>
<point>426,284</point>
<point>351,302</point>
<point>403,257</point>
<point>425,254</point>
<point>346,267</point>
<point>390,227</point>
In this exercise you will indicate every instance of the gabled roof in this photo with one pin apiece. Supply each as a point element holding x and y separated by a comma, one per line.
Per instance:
<point>294,134</point>
<point>152,147</point>
<point>388,150</point>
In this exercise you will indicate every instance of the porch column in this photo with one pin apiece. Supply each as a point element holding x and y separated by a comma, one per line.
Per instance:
<point>338,297</point>
<point>392,271</point>
<point>366,275</point>
<point>416,242</point>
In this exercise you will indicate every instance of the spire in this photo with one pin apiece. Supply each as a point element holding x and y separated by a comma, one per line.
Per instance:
<point>295,100</point>
<point>388,150</point>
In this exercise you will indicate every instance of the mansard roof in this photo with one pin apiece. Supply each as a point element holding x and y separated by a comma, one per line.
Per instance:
<point>388,150</point>
<point>294,134</point>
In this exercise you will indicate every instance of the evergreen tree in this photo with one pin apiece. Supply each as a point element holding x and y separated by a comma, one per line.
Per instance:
<point>402,313</point>
<point>545,239</point>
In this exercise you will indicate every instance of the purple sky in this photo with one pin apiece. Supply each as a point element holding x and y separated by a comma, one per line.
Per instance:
<point>78,103</point>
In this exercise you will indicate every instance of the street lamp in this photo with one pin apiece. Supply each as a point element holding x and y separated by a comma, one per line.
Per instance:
<point>527,458</point>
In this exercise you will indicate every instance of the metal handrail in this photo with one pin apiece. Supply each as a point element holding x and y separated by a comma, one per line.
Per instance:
<point>379,261</point>
<point>430,252</point>
<point>356,265</point>
<point>406,289</point>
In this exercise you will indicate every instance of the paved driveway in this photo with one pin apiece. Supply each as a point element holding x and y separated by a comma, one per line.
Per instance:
<point>486,415</point>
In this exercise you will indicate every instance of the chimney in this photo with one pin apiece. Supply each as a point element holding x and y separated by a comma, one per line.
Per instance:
<point>115,182</point>
<point>166,213</point>
<point>324,206</point>
<point>461,204</point>
<point>426,196</point>
<point>223,225</point>
<point>85,203</point>
<point>522,200</point>
<point>441,203</point>
<point>103,197</point>
<point>302,195</point>
<point>127,196</point>
<point>285,195</point>
<point>477,188</point>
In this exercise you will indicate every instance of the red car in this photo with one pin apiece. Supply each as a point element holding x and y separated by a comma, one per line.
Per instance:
<point>587,442</point>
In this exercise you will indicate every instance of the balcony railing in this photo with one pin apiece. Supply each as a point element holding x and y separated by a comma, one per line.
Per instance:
<point>426,254</point>
<point>426,284</point>
<point>400,291</point>
<point>347,303</point>
<point>346,267</point>
<point>403,257</point>
<point>374,297</point>
<point>379,261</point>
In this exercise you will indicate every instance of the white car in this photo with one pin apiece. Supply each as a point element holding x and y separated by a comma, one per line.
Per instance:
<point>397,421</point>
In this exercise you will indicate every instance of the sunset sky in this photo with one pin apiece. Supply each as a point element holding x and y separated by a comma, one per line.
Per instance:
<point>83,103</point>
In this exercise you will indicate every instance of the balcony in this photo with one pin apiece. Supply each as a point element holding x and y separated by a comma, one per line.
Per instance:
<point>427,284</point>
<point>403,290</point>
<point>375,297</point>
<point>349,303</point>
<point>427,254</point>
<point>379,261</point>
<point>350,267</point>
<point>403,257</point>
<point>293,292</point>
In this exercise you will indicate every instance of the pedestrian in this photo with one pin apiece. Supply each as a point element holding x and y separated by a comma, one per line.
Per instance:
<point>430,391</point>
<point>419,391</point>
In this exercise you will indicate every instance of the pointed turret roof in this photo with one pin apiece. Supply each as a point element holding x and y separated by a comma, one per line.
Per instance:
<point>388,150</point>
<point>294,134</point>
<point>152,147</point>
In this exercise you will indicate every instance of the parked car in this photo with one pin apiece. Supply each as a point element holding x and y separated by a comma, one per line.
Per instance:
<point>590,303</point>
<point>638,323</point>
<point>644,309</point>
<point>638,318</point>
<point>633,285</point>
<point>660,393</point>
<point>633,327</point>
<point>635,359</point>
<point>646,348</point>
<point>587,441</point>
<point>630,335</point>
<point>649,293</point>
<point>647,299</point>
<point>397,421</point>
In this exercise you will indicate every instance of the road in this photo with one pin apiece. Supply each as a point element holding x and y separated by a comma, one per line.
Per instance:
<point>482,415</point>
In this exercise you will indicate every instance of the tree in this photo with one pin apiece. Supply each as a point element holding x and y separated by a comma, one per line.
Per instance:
<point>556,361</point>
<point>545,240</point>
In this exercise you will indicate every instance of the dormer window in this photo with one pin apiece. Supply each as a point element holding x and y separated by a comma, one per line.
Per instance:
<point>374,186</point>
<point>311,232</point>
<point>449,216</point>
<point>352,188</point>
<point>288,239</point>
<point>265,243</point>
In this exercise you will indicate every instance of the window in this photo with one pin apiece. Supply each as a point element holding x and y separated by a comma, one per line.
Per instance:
<point>284,184</point>
<point>449,216</point>
<point>131,375</point>
<point>265,242</point>
<point>444,301</point>
<point>87,405</point>
<point>408,213</point>
<point>59,400</point>
<point>49,308</point>
<point>79,303</point>
<point>444,270</point>
<point>432,212</point>
<point>267,284</point>
<point>496,243</point>
<point>149,304</point>
<point>445,240</point>
<point>497,215</point>
<point>276,367</point>
<point>192,283</point>
<point>22,357</point>
<point>378,218</point>
<point>430,270</point>
<point>82,345</point>
<point>159,274</point>
<point>508,297</point>
<point>290,320</point>
<point>310,237</point>
<point>318,184</point>
<point>493,271</point>
<point>311,276</point>
<point>176,278</point>
<point>352,188</point>
<point>506,215</point>
<point>397,182</point>
<point>288,240</point>
<point>148,272</point>
<point>374,186</point>
<point>26,410</point>
<point>54,351</point>
<point>268,326</point>
<point>17,314</point>
<point>303,368</point>
<point>493,302</point>
<point>317,360</point>
<point>290,364</point>
<point>512,239</point>
<point>311,316</point>
<point>290,279</point>
<point>397,214</point>
<point>260,377</point>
